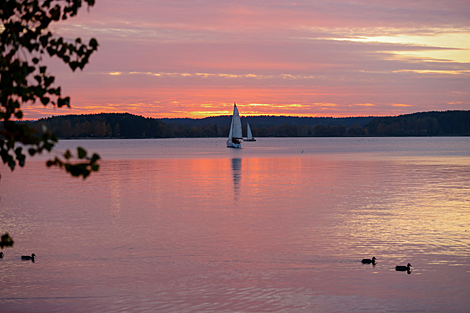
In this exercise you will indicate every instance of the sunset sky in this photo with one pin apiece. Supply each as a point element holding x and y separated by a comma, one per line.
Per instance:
<point>195,58</point>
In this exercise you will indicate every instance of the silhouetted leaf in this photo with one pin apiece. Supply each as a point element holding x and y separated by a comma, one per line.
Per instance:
<point>93,43</point>
<point>19,115</point>
<point>81,153</point>
<point>45,100</point>
<point>67,155</point>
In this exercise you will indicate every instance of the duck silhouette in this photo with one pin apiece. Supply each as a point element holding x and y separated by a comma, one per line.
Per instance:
<point>369,261</point>
<point>403,268</point>
<point>28,257</point>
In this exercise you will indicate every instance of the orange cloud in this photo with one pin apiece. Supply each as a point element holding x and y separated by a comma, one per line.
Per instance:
<point>365,104</point>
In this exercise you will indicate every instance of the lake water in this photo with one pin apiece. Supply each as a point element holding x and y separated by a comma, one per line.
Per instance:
<point>281,225</point>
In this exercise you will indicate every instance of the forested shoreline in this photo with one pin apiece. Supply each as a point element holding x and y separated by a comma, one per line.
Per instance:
<point>125,125</point>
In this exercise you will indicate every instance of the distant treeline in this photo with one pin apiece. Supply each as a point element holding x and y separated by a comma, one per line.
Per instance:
<point>268,121</point>
<point>422,124</point>
<point>124,125</point>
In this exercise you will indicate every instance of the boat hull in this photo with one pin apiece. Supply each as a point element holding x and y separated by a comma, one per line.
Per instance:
<point>231,144</point>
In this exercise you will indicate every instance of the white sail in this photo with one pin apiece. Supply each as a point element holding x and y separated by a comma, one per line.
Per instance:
<point>236,124</point>
<point>235,133</point>
<point>249,135</point>
<point>231,130</point>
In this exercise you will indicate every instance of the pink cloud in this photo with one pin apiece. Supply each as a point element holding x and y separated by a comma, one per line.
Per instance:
<point>176,56</point>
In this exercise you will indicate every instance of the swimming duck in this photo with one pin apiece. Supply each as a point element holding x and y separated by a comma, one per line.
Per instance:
<point>369,261</point>
<point>1,255</point>
<point>28,257</point>
<point>403,268</point>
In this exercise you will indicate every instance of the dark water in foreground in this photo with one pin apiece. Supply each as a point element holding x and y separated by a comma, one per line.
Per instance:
<point>278,226</point>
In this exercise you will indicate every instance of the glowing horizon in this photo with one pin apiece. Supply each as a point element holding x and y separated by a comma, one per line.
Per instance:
<point>223,112</point>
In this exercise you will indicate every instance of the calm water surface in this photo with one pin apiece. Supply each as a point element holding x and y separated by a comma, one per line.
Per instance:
<point>281,225</point>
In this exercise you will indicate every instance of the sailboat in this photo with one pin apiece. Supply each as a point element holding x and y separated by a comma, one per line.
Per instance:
<point>249,135</point>
<point>235,135</point>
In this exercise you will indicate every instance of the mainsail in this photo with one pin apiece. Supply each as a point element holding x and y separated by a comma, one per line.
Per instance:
<point>249,135</point>
<point>235,134</point>
<point>236,128</point>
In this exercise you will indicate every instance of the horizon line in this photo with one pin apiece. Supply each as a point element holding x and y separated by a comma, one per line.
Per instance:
<point>243,116</point>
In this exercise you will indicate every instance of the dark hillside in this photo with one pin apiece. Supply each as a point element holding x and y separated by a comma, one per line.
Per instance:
<point>103,125</point>
<point>268,121</point>
<point>125,125</point>
<point>446,123</point>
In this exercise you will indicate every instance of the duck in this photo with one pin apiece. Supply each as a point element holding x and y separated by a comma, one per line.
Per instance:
<point>1,255</point>
<point>403,268</point>
<point>369,261</point>
<point>28,257</point>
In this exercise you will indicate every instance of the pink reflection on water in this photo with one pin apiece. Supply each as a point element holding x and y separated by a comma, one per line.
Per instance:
<point>250,234</point>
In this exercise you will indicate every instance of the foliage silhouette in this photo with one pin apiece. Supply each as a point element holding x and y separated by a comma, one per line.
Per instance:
<point>25,39</point>
<point>6,241</point>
